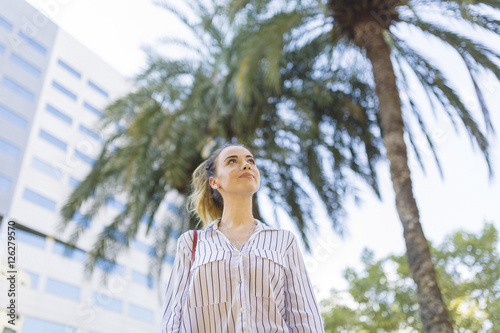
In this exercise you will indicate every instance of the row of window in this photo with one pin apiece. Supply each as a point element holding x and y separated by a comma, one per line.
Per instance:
<point>11,150</point>
<point>73,292</point>
<point>36,325</point>
<point>18,88</point>
<point>68,92</point>
<point>5,24</point>
<point>25,65</point>
<point>78,75</point>
<point>28,95</point>
<point>19,121</point>
<point>79,255</point>
<point>63,145</point>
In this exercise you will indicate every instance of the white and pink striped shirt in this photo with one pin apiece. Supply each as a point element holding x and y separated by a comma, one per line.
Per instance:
<point>262,288</point>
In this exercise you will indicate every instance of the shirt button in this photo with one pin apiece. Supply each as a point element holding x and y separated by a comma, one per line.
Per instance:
<point>239,281</point>
<point>241,309</point>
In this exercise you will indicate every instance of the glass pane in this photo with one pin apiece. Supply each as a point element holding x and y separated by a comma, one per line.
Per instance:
<point>62,289</point>
<point>64,90</point>
<point>39,200</point>
<point>18,89</point>
<point>13,117</point>
<point>26,65</point>
<point>61,115</point>
<point>69,68</point>
<point>35,325</point>
<point>98,89</point>
<point>31,239</point>
<point>31,42</point>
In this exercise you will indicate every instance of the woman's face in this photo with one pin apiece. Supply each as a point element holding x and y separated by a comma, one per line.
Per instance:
<point>235,172</point>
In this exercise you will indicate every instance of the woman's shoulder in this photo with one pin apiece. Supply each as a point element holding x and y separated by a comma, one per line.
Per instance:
<point>185,241</point>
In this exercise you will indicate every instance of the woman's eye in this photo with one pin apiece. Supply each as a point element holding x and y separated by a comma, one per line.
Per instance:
<point>252,161</point>
<point>231,161</point>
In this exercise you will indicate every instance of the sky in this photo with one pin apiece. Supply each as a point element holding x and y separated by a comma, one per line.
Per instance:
<point>118,30</point>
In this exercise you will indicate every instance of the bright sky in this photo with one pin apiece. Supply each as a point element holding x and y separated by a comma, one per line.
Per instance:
<point>117,29</point>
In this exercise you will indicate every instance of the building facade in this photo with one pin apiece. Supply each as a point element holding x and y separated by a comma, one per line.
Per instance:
<point>52,93</point>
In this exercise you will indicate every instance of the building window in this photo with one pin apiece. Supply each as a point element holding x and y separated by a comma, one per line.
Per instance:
<point>13,117</point>
<point>143,247</point>
<point>69,68</point>
<point>73,182</point>
<point>35,325</point>
<point>18,89</point>
<point>107,302</point>
<point>68,252</point>
<point>140,313</point>
<point>27,66</point>
<point>46,168</point>
<point>110,267</point>
<point>6,24</point>
<point>5,183</point>
<point>62,289</point>
<point>97,88</point>
<point>33,280</point>
<point>9,149</point>
<point>39,200</point>
<point>90,133</point>
<point>143,279</point>
<point>81,220</point>
<point>30,238</point>
<point>85,158</point>
<point>31,42</point>
<point>64,90</point>
<point>59,114</point>
<point>53,140</point>
<point>93,109</point>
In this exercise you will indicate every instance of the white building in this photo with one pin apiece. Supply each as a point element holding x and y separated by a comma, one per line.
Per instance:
<point>52,92</point>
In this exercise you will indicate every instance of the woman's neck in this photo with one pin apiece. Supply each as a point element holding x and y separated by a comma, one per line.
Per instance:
<point>237,212</point>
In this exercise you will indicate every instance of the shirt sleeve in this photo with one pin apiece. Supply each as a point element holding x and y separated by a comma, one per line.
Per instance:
<point>302,312</point>
<point>177,286</point>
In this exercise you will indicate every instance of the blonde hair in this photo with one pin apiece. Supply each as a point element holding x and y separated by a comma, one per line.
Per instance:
<point>205,201</point>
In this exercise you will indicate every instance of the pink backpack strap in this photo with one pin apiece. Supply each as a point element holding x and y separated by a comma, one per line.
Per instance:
<point>195,242</point>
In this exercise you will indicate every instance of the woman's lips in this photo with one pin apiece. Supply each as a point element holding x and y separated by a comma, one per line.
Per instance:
<point>247,175</point>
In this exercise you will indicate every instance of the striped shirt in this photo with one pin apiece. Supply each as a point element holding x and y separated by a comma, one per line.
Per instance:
<point>262,288</point>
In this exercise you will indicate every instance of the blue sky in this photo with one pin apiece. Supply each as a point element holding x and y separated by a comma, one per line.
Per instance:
<point>117,29</point>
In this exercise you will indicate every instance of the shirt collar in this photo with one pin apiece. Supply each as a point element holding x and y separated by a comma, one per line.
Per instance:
<point>260,226</point>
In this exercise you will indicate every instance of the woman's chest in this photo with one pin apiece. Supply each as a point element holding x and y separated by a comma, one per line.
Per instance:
<point>219,273</point>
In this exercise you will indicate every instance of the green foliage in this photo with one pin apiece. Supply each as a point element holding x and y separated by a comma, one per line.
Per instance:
<point>276,28</point>
<point>383,296</point>
<point>312,144</point>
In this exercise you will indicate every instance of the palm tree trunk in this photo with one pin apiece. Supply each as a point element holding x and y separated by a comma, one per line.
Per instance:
<point>435,318</point>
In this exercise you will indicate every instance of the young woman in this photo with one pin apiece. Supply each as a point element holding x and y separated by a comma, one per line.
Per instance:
<point>246,276</point>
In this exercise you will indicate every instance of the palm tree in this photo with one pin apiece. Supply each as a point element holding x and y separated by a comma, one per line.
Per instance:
<point>368,37</point>
<point>182,109</point>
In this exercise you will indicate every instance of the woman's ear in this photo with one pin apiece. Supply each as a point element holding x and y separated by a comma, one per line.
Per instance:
<point>212,183</point>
